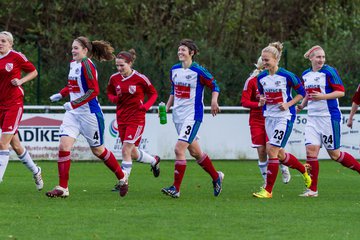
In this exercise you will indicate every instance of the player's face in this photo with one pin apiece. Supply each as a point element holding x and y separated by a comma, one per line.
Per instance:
<point>5,45</point>
<point>269,61</point>
<point>123,67</point>
<point>318,59</point>
<point>78,51</point>
<point>184,53</point>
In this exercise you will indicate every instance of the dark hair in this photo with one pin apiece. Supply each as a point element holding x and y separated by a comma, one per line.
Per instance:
<point>128,56</point>
<point>98,49</point>
<point>190,44</point>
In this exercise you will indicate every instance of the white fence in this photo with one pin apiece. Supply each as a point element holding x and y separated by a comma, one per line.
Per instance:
<point>225,136</point>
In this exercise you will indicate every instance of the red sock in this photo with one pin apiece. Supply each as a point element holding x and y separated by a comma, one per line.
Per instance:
<point>349,161</point>
<point>180,167</point>
<point>292,162</point>
<point>272,171</point>
<point>314,173</point>
<point>111,162</point>
<point>64,168</point>
<point>207,165</point>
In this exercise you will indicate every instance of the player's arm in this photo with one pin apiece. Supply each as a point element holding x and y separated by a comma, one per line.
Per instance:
<point>29,76</point>
<point>249,88</point>
<point>111,92</point>
<point>28,68</point>
<point>152,96</point>
<point>335,82</point>
<point>295,83</point>
<point>214,103</point>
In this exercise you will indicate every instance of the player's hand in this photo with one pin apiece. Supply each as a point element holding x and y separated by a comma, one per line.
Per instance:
<point>316,96</point>
<point>16,82</point>
<point>143,108</point>
<point>55,97</point>
<point>215,108</point>
<point>68,106</point>
<point>262,101</point>
<point>299,108</point>
<point>349,123</point>
<point>283,106</point>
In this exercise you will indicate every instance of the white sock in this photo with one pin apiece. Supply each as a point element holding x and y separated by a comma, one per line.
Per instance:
<point>263,169</point>
<point>4,160</point>
<point>29,163</point>
<point>126,167</point>
<point>144,157</point>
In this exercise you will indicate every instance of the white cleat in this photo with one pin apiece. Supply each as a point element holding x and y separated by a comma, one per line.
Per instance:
<point>38,180</point>
<point>286,176</point>
<point>309,193</point>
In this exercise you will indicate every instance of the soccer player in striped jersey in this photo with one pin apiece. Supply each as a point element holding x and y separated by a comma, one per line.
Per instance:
<point>83,113</point>
<point>354,106</point>
<point>12,64</point>
<point>323,86</point>
<point>250,99</point>
<point>275,85</point>
<point>188,80</point>
<point>127,89</point>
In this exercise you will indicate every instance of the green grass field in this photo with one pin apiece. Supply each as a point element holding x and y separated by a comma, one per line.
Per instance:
<point>94,212</point>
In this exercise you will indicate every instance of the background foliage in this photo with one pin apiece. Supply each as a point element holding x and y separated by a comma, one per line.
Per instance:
<point>230,35</point>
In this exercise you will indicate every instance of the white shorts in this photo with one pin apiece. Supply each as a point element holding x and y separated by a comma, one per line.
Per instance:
<point>187,130</point>
<point>90,125</point>
<point>278,130</point>
<point>322,131</point>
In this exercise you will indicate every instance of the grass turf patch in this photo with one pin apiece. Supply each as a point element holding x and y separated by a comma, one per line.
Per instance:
<point>94,212</point>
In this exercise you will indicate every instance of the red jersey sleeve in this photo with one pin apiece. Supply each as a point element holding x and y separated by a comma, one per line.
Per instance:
<point>25,64</point>
<point>152,96</point>
<point>111,91</point>
<point>65,91</point>
<point>356,97</point>
<point>90,75</point>
<point>250,88</point>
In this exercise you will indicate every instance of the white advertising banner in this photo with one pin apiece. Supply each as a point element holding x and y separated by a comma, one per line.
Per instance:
<point>226,136</point>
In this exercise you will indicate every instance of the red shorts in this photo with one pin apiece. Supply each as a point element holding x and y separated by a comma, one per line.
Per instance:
<point>131,133</point>
<point>258,135</point>
<point>10,119</point>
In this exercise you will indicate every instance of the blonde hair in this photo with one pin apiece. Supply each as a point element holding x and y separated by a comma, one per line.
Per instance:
<point>9,36</point>
<point>275,48</point>
<point>309,53</point>
<point>259,67</point>
<point>99,49</point>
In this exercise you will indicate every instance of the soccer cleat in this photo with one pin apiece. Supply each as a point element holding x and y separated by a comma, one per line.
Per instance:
<point>58,192</point>
<point>309,193</point>
<point>122,186</point>
<point>156,168</point>
<point>38,180</point>
<point>218,184</point>
<point>306,175</point>
<point>262,193</point>
<point>171,191</point>
<point>286,176</point>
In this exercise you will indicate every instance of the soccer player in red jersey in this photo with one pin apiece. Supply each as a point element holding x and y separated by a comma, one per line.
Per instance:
<point>250,99</point>
<point>127,89</point>
<point>83,113</point>
<point>12,64</point>
<point>354,107</point>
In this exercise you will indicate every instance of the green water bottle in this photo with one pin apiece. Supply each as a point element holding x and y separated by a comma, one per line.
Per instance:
<point>162,113</point>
